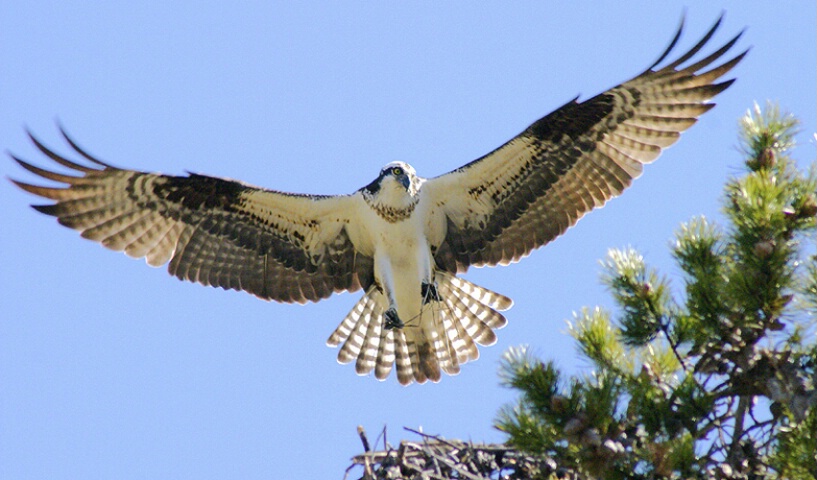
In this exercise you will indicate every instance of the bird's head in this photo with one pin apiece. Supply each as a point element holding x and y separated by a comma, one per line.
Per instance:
<point>396,187</point>
<point>399,173</point>
<point>396,179</point>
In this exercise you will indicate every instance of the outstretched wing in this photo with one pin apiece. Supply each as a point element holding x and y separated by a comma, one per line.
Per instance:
<point>217,232</point>
<point>531,189</point>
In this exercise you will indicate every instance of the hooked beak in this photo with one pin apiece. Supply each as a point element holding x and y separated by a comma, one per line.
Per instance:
<point>405,181</point>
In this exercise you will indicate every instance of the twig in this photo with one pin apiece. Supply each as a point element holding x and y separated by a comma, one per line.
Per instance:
<point>459,470</point>
<point>433,437</point>
<point>368,474</point>
<point>362,433</point>
<point>737,432</point>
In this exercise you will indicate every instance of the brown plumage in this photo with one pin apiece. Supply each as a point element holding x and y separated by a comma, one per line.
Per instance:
<point>402,238</point>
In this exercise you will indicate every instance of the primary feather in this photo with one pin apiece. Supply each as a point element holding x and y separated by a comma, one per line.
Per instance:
<point>402,238</point>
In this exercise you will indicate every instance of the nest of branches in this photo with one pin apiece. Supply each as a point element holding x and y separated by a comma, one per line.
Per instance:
<point>435,458</point>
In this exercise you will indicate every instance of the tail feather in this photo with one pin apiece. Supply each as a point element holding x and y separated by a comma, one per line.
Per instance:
<point>444,337</point>
<point>351,348</point>
<point>367,357</point>
<point>423,359</point>
<point>486,297</point>
<point>405,373</point>
<point>385,355</point>
<point>345,328</point>
<point>470,329</point>
<point>467,349</point>
<point>440,342</point>
<point>469,312</point>
<point>427,366</point>
<point>451,342</point>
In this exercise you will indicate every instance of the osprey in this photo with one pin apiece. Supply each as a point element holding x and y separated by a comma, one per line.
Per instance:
<point>402,239</point>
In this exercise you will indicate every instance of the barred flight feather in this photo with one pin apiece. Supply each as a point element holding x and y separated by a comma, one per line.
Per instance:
<point>494,210</point>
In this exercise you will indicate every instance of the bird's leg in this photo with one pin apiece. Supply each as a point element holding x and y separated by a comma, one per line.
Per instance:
<point>392,320</point>
<point>429,292</point>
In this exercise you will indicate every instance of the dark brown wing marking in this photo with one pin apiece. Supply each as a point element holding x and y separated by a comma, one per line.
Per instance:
<point>213,231</point>
<point>530,190</point>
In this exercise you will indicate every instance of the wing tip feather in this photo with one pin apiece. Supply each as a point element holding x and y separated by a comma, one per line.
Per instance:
<point>49,210</point>
<point>79,149</point>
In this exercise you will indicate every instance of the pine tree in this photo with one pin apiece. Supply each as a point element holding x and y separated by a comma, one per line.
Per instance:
<point>716,381</point>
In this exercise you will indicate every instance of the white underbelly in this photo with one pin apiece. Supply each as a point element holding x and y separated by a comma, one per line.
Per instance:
<point>402,263</point>
<point>401,254</point>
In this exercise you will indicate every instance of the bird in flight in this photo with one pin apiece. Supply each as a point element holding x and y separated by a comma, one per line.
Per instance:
<point>402,239</point>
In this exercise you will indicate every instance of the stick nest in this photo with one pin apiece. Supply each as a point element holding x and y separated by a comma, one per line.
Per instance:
<point>435,458</point>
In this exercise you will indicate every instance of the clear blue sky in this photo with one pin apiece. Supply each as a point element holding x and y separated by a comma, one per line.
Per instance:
<point>111,369</point>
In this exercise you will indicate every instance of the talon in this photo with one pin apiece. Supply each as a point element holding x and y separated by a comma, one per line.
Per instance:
<point>392,320</point>
<point>429,293</point>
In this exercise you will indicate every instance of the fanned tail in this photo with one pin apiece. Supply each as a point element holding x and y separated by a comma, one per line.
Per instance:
<point>445,337</point>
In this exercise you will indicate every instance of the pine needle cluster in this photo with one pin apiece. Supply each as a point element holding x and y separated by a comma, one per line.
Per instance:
<point>714,381</point>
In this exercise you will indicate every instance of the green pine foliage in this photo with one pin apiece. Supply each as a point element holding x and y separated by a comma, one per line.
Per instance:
<point>713,381</point>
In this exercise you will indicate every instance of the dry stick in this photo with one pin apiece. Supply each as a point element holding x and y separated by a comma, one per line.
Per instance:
<point>367,466</point>
<point>737,434</point>
<point>433,437</point>
<point>362,433</point>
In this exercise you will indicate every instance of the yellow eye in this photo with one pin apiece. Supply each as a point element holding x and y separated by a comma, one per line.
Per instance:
<point>397,171</point>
